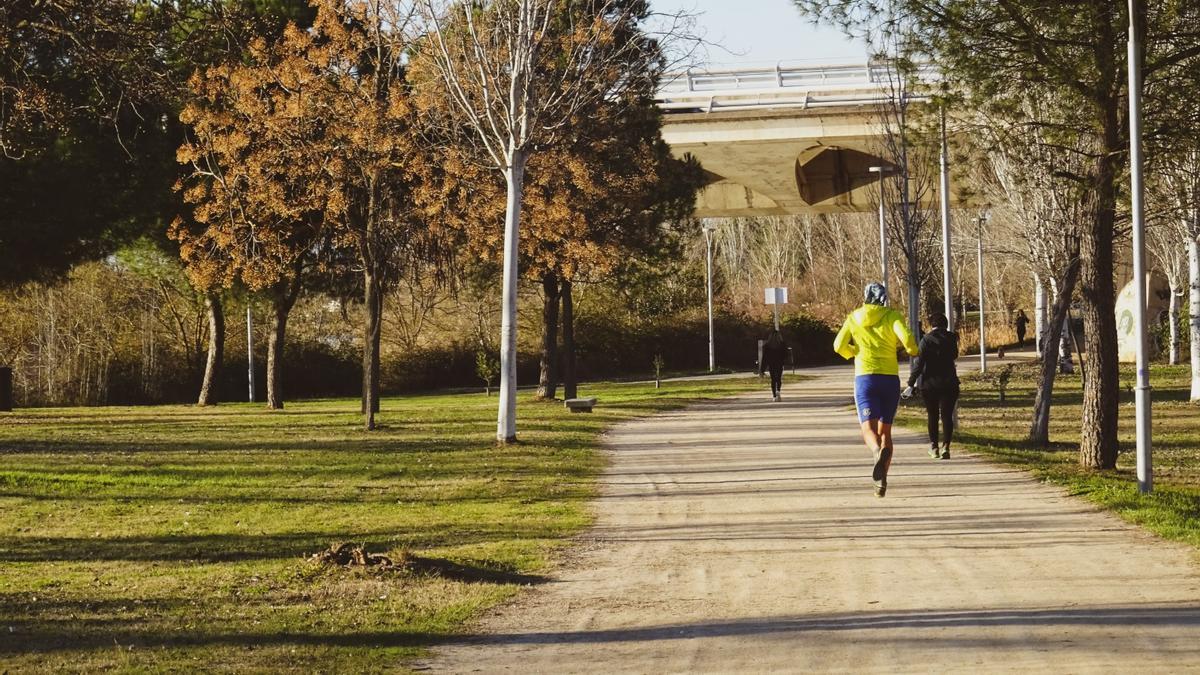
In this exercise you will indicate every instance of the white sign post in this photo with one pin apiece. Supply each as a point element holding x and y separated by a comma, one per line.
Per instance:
<point>776,297</point>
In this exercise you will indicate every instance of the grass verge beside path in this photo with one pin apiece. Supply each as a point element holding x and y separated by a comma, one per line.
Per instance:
<point>998,430</point>
<point>176,538</point>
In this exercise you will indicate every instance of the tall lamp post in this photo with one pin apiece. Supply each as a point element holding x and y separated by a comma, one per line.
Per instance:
<point>1145,473</point>
<point>981,221</point>
<point>883,252</point>
<point>712,349</point>
<point>947,280</point>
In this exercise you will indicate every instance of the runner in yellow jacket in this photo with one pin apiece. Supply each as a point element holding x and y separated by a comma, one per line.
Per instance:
<point>871,335</point>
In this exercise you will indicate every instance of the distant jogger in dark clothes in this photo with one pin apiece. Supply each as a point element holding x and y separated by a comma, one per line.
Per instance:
<point>774,354</point>
<point>1022,323</point>
<point>938,380</point>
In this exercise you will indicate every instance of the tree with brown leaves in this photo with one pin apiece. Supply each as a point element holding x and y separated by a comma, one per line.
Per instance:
<point>305,151</point>
<point>257,215</point>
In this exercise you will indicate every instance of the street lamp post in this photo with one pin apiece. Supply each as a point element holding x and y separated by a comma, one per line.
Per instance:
<point>982,324</point>
<point>883,257</point>
<point>947,280</point>
<point>712,350</point>
<point>1145,472</point>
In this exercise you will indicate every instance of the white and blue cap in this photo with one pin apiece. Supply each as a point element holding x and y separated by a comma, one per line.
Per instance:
<point>875,294</point>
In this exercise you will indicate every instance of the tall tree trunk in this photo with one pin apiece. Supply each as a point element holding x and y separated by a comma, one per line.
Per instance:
<point>1039,315</point>
<point>1193,247</point>
<point>1067,346</point>
<point>373,302</point>
<point>506,414</point>
<point>209,388</point>
<point>1173,317</point>
<point>568,341</point>
<point>547,377</point>
<point>1039,429</point>
<point>913,278</point>
<point>1098,443</point>
<point>283,298</point>
<point>376,353</point>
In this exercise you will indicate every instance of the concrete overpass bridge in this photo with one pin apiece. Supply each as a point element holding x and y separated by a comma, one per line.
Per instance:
<point>781,140</point>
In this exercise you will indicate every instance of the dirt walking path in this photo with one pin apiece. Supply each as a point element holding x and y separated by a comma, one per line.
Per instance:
<point>743,536</point>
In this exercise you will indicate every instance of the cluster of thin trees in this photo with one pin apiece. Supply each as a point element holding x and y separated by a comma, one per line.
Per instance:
<point>1051,80</point>
<point>350,147</point>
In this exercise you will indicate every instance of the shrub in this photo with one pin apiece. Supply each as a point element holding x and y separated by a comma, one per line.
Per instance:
<point>608,348</point>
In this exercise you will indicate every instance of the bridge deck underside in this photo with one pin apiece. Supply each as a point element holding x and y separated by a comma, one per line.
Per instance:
<point>782,162</point>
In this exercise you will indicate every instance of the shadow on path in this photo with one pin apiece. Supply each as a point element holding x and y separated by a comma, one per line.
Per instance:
<point>1157,615</point>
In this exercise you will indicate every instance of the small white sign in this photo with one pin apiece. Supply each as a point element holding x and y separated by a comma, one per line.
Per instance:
<point>776,296</point>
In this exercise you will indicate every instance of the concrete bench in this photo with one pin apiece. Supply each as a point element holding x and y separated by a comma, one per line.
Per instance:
<point>580,405</point>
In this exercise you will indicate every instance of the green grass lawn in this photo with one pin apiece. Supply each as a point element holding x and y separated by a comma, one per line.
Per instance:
<point>997,430</point>
<point>176,538</point>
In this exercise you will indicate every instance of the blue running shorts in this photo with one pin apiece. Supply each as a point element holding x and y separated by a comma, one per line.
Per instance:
<point>877,397</point>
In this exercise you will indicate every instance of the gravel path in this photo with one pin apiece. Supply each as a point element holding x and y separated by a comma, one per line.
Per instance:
<point>743,536</point>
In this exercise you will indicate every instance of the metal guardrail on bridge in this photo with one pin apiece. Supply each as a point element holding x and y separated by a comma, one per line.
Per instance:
<point>791,87</point>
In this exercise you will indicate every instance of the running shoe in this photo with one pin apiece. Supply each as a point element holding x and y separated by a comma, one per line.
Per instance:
<point>883,457</point>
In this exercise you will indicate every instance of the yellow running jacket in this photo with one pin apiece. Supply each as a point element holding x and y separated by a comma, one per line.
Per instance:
<point>870,336</point>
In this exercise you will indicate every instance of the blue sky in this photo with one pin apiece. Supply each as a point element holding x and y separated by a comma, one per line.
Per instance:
<point>762,32</point>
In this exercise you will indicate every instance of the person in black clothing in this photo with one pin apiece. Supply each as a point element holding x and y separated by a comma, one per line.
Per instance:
<point>774,353</point>
<point>938,380</point>
<point>1021,322</point>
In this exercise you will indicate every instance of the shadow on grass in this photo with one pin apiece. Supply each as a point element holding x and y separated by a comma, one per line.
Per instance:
<point>51,636</point>
<point>220,548</point>
<point>448,569</point>
<point>568,483</point>
<point>219,444</point>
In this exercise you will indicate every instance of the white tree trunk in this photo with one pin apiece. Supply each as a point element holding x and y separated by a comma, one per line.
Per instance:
<point>1039,313</point>
<point>1039,429</point>
<point>1173,317</point>
<point>506,417</point>
<point>1057,348</point>
<point>210,387</point>
<point>1194,313</point>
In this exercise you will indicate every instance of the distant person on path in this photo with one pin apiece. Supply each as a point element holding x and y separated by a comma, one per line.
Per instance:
<point>933,372</point>
<point>1022,322</point>
<point>774,353</point>
<point>871,335</point>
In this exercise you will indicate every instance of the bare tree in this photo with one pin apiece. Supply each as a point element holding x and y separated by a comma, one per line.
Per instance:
<point>850,242</point>
<point>907,146</point>
<point>1165,242</point>
<point>515,73</point>
<point>417,306</point>
<point>1027,180</point>
<point>1179,179</point>
<point>732,242</point>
